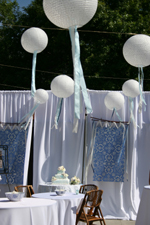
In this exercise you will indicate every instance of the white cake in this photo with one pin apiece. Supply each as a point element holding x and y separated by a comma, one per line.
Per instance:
<point>61,177</point>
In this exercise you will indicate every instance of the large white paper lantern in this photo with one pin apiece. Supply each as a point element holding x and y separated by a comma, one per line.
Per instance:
<point>136,50</point>
<point>62,86</point>
<point>40,96</point>
<point>114,100</point>
<point>131,88</point>
<point>68,13</point>
<point>34,39</point>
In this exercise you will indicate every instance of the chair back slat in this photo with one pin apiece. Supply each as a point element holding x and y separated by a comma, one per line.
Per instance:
<point>87,187</point>
<point>27,189</point>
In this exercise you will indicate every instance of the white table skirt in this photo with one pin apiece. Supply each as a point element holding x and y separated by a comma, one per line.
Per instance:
<point>143,216</point>
<point>28,211</point>
<point>49,187</point>
<point>67,205</point>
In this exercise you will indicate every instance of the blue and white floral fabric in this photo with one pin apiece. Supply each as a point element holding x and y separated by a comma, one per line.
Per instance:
<point>109,153</point>
<point>15,138</point>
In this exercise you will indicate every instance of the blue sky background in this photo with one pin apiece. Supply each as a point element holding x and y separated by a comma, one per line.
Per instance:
<point>23,3</point>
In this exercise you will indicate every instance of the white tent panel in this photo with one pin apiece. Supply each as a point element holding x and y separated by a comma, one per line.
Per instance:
<point>53,148</point>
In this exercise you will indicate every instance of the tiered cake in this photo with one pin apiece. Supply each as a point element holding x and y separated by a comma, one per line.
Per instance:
<point>61,177</point>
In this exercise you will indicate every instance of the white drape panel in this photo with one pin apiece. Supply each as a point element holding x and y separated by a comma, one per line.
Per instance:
<point>121,200</point>
<point>56,147</point>
<point>13,106</point>
<point>53,148</point>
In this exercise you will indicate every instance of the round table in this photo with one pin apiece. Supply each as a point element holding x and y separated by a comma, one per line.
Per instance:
<point>28,211</point>
<point>52,187</point>
<point>143,216</point>
<point>67,205</point>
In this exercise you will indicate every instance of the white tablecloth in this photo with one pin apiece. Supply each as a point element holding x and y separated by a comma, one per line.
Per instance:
<point>28,211</point>
<point>143,216</point>
<point>67,205</point>
<point>51,187</point>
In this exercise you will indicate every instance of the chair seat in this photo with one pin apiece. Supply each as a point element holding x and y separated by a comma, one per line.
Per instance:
<point>89,218</point>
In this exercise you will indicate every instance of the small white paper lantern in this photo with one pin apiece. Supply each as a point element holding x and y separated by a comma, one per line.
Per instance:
<point>62,86</point>
<point>34,39</point>
<point>136,50</point>
<point>114,100</point>
<point>68,13</point>
<point>41,96</point>
<point>131,88</point>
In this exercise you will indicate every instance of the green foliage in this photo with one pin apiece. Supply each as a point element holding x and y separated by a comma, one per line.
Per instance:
<point>101,41</point>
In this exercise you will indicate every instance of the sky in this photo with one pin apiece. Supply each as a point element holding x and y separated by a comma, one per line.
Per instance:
<point>24,2</point>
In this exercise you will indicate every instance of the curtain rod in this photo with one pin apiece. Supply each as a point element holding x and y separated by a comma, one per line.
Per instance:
<point>94,118</point>
<point>3,123</point>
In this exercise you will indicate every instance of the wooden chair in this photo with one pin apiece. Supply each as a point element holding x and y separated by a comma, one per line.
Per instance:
<point>87,187</point>
<point>28,189</point>
<point>89,209</point>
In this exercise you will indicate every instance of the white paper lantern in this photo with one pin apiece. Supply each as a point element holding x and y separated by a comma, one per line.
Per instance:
<point>62,86</point>
<point>41,96</point>
<point>131,88</point>
<point>68,13</point>
<point>114,100</point>
<point>136,50</point>
<point>34,39</point>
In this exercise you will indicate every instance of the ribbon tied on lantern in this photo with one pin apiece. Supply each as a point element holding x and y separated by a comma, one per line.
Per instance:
<point>78,74</point>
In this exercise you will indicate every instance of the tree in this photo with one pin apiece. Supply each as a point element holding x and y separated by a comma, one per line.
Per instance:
<point>101,48</point>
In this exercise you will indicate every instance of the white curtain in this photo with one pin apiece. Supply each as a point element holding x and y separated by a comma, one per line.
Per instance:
<point>13,106</point>
<point>53,148</point>
<point>56,147</point>
<point>121,200</point>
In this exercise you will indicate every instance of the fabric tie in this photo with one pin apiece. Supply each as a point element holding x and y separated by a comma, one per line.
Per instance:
<point>58,111</point>
<point>33,89</point>
<point>115,111</point>
<point>24,122</point>
<point>142,98</point>
<point>78,74</point>
<point>131,107</point>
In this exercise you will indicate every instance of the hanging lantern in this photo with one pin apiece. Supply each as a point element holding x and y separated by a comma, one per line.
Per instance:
<point>34,39</point>
<point>136,50</point>
<point>131,88</point>
<point>41,96</point>
<point>62,86</point>
<point>72,14</point>
<point>68,13</point>
<point>114,100</point>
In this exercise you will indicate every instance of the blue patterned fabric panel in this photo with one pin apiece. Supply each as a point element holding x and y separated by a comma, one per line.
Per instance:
<point>109,154</point>
<point>16,141</point>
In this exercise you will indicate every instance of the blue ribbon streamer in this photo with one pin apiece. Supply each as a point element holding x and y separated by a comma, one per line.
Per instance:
<point>141,79</point>
<point>124,140</point>
<point>115,111</point>
<point>131,107</point>
<point>33,89</point>
<point>25,119</point>
<point>118,115</point>
<point>78,74</point>
<point>58,111</point>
